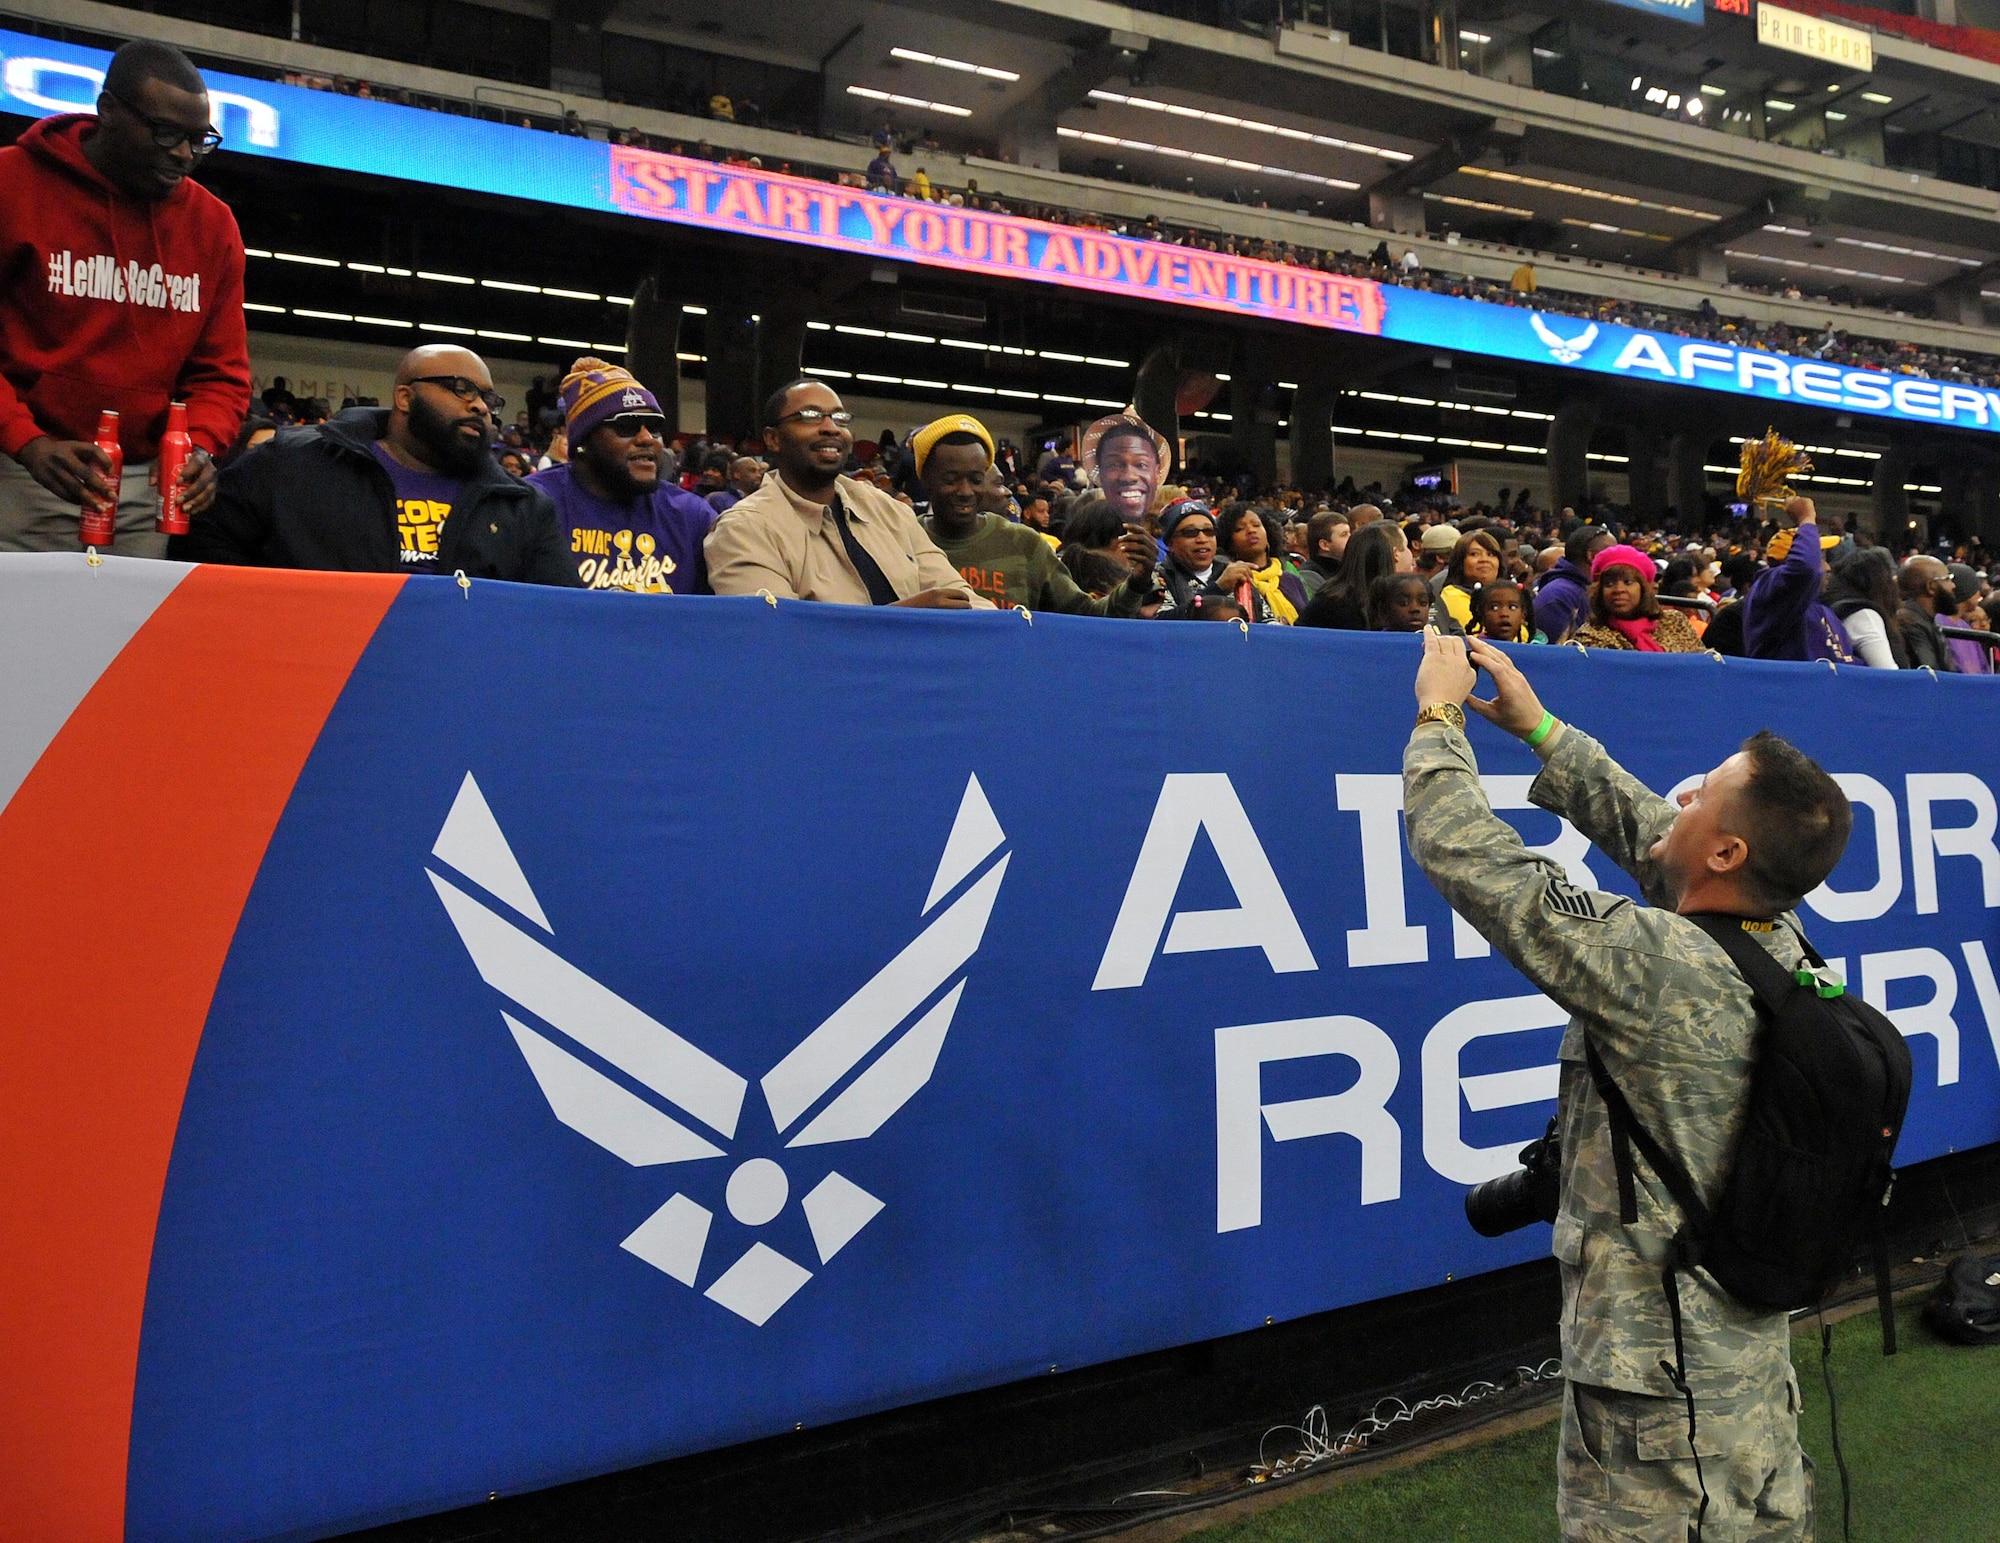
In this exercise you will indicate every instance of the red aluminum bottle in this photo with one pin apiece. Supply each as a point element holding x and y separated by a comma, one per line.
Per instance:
<point>100,516</point>
<point>174,448</point>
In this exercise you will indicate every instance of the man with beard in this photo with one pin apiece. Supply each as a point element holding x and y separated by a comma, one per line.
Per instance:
<point>1127,458</point>
<point>629,528</point>
<point>411,488</point>
<point>811,534</point>
<point>1009,563</point>
<point>121,289</point>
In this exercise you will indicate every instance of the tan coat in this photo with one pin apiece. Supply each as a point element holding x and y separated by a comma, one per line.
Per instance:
<point>787,544</point>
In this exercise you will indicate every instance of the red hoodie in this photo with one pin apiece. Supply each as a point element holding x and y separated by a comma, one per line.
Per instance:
<point>112,301</point>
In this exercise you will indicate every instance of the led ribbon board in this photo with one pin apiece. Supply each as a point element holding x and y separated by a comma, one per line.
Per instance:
<point>39,76</point>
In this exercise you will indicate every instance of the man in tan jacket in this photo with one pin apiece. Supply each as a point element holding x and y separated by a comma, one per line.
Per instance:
<point>811,534</point>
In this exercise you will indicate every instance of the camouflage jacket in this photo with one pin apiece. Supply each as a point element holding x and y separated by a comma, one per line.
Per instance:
<point>1672,1020</point>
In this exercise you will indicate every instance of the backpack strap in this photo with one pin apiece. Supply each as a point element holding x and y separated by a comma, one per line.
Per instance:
<point>1885,1300</point>
<point>1627,1132</point>
<point>1769,981</point>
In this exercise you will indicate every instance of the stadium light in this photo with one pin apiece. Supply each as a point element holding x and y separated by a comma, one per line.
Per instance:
<point>914,56</point>
<point>873,95</point>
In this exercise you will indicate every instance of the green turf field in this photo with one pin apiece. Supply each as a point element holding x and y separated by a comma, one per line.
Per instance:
<point>1922,1435</point>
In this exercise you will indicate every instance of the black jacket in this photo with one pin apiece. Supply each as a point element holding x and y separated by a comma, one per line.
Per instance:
<point>1928,647</point>
<point>317,498</point>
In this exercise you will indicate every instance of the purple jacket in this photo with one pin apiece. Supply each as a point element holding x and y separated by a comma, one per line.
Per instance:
<point>1562,600</point>
<point>1782,614</point>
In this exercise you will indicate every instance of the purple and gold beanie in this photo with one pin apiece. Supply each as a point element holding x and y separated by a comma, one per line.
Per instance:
<point>594,391</point>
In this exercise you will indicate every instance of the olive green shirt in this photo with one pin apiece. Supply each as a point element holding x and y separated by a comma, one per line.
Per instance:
<point>1012,565</point>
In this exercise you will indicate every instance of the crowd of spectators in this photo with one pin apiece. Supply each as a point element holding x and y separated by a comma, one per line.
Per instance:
<point>1381,264</point>
<point>585,485</point>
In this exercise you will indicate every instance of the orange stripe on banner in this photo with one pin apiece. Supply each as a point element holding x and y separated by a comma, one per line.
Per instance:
<point>126,859</point>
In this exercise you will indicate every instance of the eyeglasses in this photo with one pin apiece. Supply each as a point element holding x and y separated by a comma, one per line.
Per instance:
<point>465,390</point>
<point>628,425</point>
<point>1185,529</point>
<point>169,135</point>
<point>839,415</point>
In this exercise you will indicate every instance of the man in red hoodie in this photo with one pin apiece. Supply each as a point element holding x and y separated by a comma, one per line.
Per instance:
<point>121,287</point>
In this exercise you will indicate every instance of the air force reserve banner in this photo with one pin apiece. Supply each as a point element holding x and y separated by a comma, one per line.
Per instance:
<point>420,1092</point>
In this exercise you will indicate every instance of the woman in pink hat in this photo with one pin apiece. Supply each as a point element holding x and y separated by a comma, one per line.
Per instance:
<point>1626,613</point>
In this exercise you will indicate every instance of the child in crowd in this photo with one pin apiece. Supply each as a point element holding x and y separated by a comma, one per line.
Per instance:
<point>1213,608</point>
<point>1399,602</point>
<point>1500,612</point>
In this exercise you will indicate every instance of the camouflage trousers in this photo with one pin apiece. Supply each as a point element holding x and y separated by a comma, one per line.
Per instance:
<point>1624,1473</point>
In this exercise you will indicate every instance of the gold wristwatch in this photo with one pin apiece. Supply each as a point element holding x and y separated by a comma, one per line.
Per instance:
<point>1442,712</point>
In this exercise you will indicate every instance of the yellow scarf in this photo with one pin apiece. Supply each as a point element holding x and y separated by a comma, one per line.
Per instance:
<point>1266,580</point>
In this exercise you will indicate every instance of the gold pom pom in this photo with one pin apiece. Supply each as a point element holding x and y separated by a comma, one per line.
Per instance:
<point>1767,463</point>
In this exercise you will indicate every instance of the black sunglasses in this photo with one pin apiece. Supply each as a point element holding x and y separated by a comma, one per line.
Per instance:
<point>628,425</point>
<point>465,390</point>
<point>169,135</point>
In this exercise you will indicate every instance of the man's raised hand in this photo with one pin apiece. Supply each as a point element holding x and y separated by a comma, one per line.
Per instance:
<point>1513,705</point>
<point>1445,675</point>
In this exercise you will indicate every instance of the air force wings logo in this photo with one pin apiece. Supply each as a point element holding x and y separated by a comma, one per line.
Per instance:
<point>1565,350</point>
<point>831,1087</point>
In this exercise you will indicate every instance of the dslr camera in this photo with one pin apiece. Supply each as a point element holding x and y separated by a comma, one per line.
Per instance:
<point>1529,1194</point>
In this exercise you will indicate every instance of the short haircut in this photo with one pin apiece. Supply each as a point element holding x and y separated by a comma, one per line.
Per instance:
<point>1795,819</point>
<point>1128,428</point>
<point>145,59</point>
<point>1320,528</point>
<point>1577,547</point>
<point>774,404</point>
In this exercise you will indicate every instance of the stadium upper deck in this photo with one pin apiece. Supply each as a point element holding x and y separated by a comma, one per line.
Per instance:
<point>1601,137</point>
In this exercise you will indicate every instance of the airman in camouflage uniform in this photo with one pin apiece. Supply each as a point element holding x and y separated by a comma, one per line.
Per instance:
<point>1673,1022</point>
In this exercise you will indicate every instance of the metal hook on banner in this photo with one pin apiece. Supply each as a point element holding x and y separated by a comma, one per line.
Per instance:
<point>1245,625</point>
<point>1025,614</point>
<point>1928,671</point>
<point>769,599</point>
<point>464,584</point>
<point>1831,665</point>
<point>90,556</point>
<point>1572,643</point>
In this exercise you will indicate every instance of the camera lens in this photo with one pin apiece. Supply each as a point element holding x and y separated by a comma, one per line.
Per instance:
<point>1502,1205</point>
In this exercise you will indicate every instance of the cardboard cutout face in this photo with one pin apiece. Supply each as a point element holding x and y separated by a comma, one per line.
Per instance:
<point>1129,461</point>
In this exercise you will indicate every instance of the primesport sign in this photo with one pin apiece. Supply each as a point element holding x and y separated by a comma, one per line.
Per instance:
<point>1815,37</point>
<point>39,76</point>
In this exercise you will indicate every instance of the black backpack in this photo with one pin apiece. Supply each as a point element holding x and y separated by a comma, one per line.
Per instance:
<point>1966,1305</point>
<point>1811,1171</point>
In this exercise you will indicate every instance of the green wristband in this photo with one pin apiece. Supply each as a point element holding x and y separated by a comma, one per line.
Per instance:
<point>1542,731</point>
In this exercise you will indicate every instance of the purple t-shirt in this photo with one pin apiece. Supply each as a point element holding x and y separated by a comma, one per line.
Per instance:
<point>423,499</point>
<point>650,546</point>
